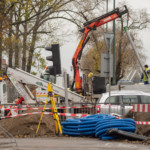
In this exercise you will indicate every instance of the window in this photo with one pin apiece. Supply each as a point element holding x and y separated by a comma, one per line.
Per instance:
<point>145,99</point>
<point>113,100</point>
<point>130,99</point>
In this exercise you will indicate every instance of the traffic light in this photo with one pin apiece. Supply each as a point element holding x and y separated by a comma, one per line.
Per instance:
<point>55,58</point>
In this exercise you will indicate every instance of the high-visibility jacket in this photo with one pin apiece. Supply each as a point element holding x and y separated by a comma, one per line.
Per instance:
<point>148,73</point>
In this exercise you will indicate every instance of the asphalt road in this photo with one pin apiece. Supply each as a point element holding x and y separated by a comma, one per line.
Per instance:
<point>71,143</point>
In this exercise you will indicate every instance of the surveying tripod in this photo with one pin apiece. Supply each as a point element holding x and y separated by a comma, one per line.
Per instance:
<point>54,111</point>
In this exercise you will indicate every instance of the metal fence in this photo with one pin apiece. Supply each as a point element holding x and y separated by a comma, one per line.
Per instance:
<point>92,108</point>
<point>77,110</point>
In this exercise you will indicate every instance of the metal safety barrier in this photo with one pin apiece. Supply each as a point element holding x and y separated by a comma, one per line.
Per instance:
<point>8,139</point>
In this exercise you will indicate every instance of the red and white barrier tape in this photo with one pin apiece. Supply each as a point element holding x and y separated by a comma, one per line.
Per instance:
<point>141,108</point>
<point>47,113</point>
<point>66,114</point>
<point>16,108</point>
<point>143,122</point>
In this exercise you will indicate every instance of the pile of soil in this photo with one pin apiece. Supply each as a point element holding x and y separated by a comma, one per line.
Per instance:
<point>26,126</point>
<point>141,129</point>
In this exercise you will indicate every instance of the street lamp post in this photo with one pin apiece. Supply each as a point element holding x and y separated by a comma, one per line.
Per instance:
<point>114,49</point>
<point>106,12</point>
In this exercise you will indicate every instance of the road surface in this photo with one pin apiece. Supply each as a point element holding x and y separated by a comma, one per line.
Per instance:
<point>71,143</point>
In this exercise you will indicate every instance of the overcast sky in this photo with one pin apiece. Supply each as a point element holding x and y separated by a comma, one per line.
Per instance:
<point>68,49</point>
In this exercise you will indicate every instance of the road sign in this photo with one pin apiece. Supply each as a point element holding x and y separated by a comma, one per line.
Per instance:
<point>107,58</point>
<point>109,39</point>
<point>105,71</point>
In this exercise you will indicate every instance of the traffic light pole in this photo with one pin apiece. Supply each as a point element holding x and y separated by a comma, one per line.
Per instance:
<point>66,91</point>
<point>55,74</point>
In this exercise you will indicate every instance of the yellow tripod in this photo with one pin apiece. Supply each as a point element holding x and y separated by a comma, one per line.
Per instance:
<point>54,111</point>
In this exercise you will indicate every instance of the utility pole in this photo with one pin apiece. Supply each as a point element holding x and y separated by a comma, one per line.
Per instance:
<point>114,49</point>
<point>109,73</point>
<point>66,91</point>
<point>106,12</point>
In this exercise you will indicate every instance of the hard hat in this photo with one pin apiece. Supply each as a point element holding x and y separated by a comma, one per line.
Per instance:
<point>90,74</point>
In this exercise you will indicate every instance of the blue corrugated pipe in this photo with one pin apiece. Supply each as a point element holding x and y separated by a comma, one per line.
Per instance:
<point>96,125</point>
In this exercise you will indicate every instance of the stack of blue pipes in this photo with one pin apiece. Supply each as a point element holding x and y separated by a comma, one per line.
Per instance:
<point>97,125</point>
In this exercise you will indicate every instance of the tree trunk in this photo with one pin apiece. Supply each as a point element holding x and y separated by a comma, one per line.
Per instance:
<point>31,51</point>
<point>1,49</point>
<point>2,5</point>
<point>24,47</point>
<point>10,51</point>
<point>17,47</point>
<point>118,65</point>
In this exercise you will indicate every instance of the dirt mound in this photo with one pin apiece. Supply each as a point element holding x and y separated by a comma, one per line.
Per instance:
<point>141,129</point>
<point>139,116</point>
<point>25,126</point>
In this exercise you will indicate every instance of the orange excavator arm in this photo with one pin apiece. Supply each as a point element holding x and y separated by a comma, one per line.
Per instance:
<point>88,26</point>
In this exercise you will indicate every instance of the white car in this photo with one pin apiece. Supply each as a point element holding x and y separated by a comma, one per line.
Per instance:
<point>120,102</point>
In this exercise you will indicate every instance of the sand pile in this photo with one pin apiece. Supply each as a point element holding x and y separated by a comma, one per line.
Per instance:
<point>25,126</point>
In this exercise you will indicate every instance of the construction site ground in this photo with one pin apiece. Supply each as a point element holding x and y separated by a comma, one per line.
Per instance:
<point>23,129</point>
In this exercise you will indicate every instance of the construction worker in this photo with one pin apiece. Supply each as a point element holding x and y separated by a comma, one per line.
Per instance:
<point>20,102</point>
<point>146,76</point>
<point>90,75</point>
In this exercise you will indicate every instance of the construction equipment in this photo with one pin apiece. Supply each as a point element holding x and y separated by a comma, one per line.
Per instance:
<point>136,53</point>
<point>90,26</point>
<point>54,111</point>
<point>21,79</point>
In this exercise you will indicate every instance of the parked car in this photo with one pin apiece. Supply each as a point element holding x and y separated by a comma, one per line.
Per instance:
<point>120,102</point>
